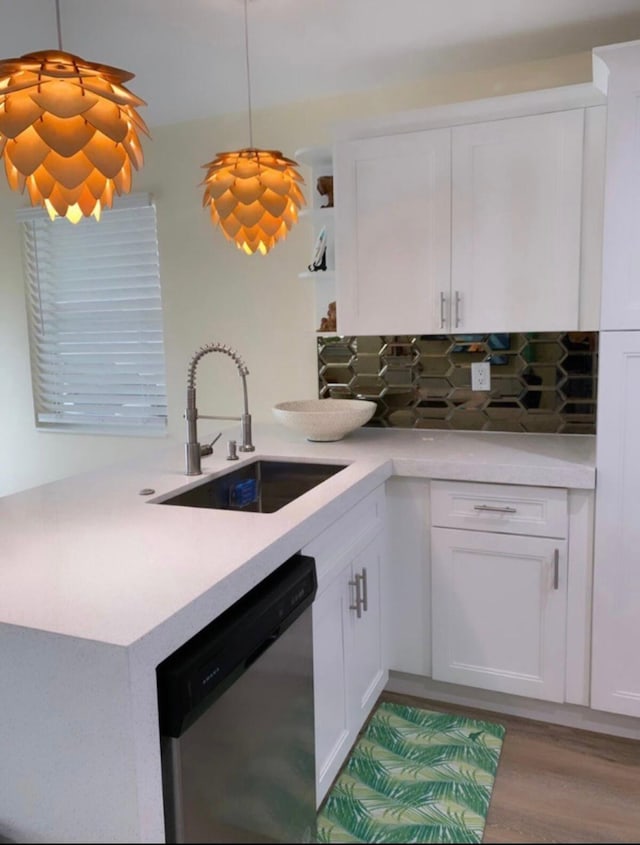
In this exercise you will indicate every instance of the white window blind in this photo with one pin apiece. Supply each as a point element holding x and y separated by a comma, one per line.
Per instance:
<point>95,318</point>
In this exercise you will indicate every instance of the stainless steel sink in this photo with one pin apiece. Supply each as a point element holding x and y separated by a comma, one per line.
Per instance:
<point>262,486</point>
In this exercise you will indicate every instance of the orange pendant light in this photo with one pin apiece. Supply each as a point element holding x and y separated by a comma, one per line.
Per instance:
<point>68,131</point>
<point>254,197</point>
<point>253,194</point>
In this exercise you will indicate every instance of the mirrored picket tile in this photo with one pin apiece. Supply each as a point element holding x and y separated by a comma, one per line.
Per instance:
<point>540,381</point>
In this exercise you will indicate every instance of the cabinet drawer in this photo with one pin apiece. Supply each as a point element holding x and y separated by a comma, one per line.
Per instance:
<point>502,508</point>
<point>352,530</point>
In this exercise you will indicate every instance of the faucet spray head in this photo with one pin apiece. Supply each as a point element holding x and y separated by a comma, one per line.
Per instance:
<point>214,347</point>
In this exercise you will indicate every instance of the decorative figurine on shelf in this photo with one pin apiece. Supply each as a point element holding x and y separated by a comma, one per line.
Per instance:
<point>325,189</point>
<point>328,323</point>
<point>319,261</point>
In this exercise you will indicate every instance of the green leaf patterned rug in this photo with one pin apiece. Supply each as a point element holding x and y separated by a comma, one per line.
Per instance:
<point>414,776</point>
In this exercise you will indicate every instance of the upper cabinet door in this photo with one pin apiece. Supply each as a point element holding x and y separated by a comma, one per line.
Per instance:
<point>393,233</point>
<point>516,211</point>
<point>618,68</point>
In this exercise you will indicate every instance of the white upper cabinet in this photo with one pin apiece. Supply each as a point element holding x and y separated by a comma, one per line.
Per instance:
<point>617,70</point>
<point>489,225</point>
<point>516,207</point>
<point>393,233</point>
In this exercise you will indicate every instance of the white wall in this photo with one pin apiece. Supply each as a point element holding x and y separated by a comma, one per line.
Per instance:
<point>211,291</point>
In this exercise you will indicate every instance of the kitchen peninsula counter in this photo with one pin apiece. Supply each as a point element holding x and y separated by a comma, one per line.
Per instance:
<point>98,584</point>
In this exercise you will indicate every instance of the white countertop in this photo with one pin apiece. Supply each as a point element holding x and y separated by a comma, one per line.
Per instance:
<point>89,557</point>
<point>98,585</point>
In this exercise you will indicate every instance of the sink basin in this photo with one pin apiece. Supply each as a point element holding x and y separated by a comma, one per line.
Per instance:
<point>262,486</point>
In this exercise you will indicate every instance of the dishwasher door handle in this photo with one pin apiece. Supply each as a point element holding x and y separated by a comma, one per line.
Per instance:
<point>261,649</point>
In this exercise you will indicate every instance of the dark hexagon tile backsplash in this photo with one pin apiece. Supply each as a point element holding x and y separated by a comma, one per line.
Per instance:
<point>540,382</point>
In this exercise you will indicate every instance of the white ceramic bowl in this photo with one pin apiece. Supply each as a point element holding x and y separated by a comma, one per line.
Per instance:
<point>324,419</point>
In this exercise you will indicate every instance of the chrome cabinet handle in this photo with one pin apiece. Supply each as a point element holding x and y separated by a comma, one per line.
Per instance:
<point>458,301</point>
<point>556,569</point>
<point>443,300</point>
<point>358,605</point>
<point>495,509</point>
<point>365,599</point>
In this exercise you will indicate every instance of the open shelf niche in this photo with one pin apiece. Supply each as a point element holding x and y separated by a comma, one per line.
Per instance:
<point>320,162</point>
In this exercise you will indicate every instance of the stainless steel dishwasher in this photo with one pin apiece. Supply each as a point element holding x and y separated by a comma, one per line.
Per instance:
<point>237,719</point>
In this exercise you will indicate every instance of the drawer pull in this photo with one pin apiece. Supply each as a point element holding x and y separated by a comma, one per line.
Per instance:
<point>556,569</point>
<point>495,509</point>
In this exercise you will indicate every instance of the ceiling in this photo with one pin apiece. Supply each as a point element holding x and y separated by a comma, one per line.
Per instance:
<point>188,56</point>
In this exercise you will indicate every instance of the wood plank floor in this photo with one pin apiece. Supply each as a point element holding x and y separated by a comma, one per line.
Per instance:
<point>557,784</point>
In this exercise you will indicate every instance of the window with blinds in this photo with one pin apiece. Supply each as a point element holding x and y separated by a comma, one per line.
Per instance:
<point>95,320</point>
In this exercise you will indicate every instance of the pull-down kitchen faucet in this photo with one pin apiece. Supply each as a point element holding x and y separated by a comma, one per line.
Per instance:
<point>194,451</point>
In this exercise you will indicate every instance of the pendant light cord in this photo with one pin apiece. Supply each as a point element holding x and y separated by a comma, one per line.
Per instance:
<point>59,25</point>
<point>246,51</point>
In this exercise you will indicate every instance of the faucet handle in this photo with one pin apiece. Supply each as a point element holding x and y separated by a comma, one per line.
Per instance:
<point>207,448</point>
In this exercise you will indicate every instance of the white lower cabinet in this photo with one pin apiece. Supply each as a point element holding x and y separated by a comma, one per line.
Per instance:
<point>498,612</point>
<point>350,668</point>
<point>615,679</point>
<point>367,674</point>
<point>330,644</point>
<point>499,597</point>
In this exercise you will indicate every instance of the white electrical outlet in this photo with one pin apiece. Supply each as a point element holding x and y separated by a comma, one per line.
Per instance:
<point>481,376</point>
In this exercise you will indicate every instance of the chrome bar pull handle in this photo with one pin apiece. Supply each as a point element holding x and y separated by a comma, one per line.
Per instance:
<point>556,569</point>
<point>495,509</point>
<point>365,600</point>
<point>458,301</point>
<point>443,300</point>
<point>358,605</point>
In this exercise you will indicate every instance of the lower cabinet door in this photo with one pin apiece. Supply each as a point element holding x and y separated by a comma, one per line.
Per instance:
<point>615,670</point>
<point>331,635</point>
<point>367,667</point>
<point>499,611</point>
<point>349,664</point>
